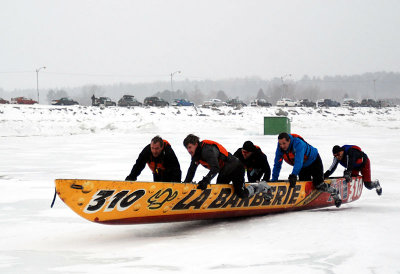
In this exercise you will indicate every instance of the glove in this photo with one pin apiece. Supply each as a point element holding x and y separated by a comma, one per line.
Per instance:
<point>292,180</point>
<point>326,175</point>
<point>347,176</point>
<point>203,183</point>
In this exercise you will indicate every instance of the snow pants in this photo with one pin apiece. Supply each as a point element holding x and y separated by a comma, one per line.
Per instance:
<point>314,172</point>
<point>233,171</point>
<point>365,172</point>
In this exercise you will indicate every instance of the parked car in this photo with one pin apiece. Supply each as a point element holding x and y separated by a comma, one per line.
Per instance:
<point>23,100</point>
<point>64,102</point>
<point>3,101</point>
<point>182,102</point>
<point>235,103</point>
<point>306,103</point>
<point>348,102</point>
<point>373,103</point>
<point>260,103</point>
<point>128,101</point>
<point>105,101</point>
<point>286,102</point>
<point>327,103</point>
<point>155,101</point>
<point>213,103</point>
<point>369,103</point>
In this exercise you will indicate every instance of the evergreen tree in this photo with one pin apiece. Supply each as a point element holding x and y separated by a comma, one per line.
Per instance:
<point>261,94</point>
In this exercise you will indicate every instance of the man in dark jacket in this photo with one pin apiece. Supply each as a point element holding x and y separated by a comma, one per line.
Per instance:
<point>162,161</point>
<point>355,161</point>
<point>255,162</point>
<point>218,160</point>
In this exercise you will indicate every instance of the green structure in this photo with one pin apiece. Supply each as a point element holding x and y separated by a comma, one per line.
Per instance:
<point>276,125</point>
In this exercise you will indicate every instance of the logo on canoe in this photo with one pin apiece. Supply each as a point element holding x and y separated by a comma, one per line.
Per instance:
<point>108,200</point>
<point>161,197</point>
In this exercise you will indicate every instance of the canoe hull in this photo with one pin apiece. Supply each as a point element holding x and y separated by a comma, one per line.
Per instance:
<point>125,202</point>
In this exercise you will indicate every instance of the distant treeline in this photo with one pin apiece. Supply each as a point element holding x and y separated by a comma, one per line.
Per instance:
<point>378,85</point>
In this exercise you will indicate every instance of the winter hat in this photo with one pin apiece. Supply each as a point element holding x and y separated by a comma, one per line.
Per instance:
<point>336,149</point>
<point>249,146</point>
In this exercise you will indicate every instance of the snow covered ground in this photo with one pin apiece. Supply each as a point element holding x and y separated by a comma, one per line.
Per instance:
<point>41,143</point>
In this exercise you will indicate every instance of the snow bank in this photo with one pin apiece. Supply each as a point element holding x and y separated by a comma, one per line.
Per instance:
<point>21,120</point>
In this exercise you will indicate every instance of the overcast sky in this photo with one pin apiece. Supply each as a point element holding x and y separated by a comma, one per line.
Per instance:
<point>101,42</point>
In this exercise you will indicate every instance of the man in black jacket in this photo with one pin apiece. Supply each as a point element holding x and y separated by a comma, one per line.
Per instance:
<point>255,161</point>
<point>218,160</point>
<point>162,161</point>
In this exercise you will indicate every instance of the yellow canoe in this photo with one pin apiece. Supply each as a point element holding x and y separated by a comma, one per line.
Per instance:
<point>125,202</point>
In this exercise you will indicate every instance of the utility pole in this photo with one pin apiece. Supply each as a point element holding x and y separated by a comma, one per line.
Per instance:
<point>37,82</point>
<point>172,74</point>
<point>283,85</point>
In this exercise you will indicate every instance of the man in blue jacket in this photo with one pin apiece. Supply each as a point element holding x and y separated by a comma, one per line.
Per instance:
<point>306,162</point>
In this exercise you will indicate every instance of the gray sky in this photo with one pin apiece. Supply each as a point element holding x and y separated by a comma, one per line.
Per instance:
<point>102,42</point>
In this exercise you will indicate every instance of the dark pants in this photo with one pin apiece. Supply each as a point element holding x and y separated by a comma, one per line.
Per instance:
<point>254,175</point>
<point>233,171</point>
<point>315,171</point>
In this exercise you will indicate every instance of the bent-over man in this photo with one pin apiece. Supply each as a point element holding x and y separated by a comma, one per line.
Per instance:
<point>162,161</point>
<point>354,160</point>
<point>254,161</point>
<point>218,160</point>
<point>306,162</point>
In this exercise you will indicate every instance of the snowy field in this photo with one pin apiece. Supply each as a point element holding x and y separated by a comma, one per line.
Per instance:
<point>41,143</point>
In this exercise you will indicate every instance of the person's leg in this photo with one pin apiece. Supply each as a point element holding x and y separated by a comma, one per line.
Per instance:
<point>237,178</point>
<point>366,171</point>
<point>233,171</point>
<point>305,173</point>
<point>366,174</point>
<point>317,173</point>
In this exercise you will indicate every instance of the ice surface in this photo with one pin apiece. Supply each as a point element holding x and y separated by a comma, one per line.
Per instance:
<point>41,143</point>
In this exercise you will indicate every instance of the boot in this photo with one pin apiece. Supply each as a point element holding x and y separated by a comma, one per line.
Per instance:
<point>322,187</point>
<point>261,187</point>
<point>336,196</point>
<point>333,191</point>
<point>266,189</point>
<point>250,190</point>
<point>378,187</point>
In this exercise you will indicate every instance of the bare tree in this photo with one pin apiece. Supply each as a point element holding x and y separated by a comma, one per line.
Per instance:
<point>197,96</point>
<point>87,92</point>
<point>221,95</point>
<point>55,94</point>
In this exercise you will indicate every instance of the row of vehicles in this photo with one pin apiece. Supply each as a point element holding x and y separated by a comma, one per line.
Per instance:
<point>19,100</point>
<point>131,101</point>
<point>287,102</point>
<point>347,102</point>
<point>28,101</point>
<point>218,103</point>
